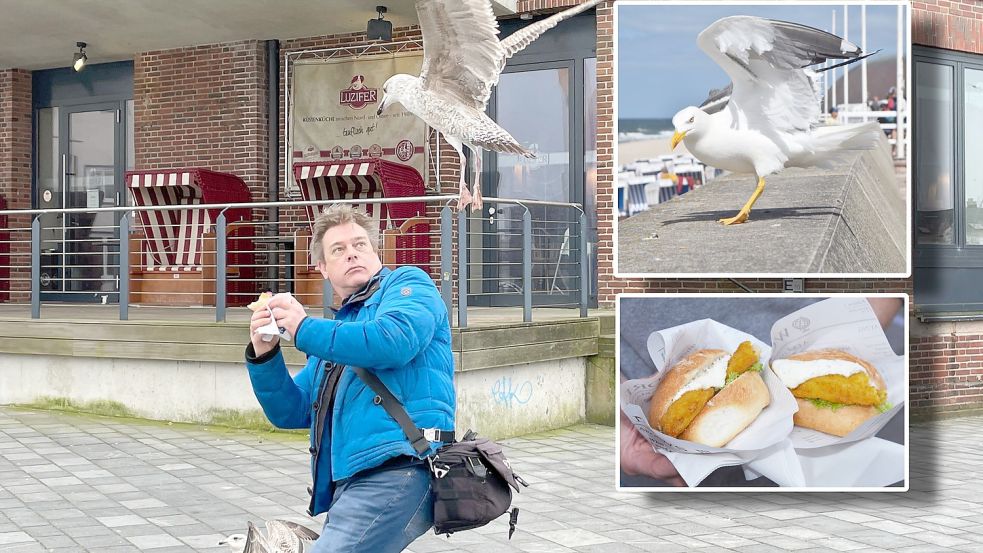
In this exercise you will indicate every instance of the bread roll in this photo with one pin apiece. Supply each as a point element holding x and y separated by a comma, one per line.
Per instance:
<point>732,410</point>
<point>838,422</point>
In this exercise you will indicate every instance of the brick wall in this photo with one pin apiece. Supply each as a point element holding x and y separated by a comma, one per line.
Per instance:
<point>15,174</point>
<point>203,106</point>
<point>946,367</point>
<point>950,24</point>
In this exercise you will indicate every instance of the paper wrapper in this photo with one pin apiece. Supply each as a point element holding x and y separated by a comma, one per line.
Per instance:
<point>271,330</point>
<point>850,325</point>
<point>761,441</point>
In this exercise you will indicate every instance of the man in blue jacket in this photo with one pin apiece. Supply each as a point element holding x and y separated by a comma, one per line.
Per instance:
<point>367,477</point>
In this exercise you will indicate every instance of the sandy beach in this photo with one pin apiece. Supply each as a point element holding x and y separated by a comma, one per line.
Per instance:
<point>629,152</point>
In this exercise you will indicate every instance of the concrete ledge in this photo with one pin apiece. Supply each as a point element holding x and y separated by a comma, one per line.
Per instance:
<point>511,379</point>
<point>847,220</point>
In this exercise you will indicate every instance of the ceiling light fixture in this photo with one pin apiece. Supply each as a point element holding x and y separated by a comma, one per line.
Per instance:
<point>80,57</point>
<point>379,29</point>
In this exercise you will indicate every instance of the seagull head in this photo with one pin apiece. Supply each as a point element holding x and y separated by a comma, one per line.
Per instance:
<point>237,542</point>
<point>395,90</point>
<point>688,121</point>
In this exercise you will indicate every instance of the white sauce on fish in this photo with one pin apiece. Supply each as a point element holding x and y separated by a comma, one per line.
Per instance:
<point>713,376</point>
<point>793,372</point>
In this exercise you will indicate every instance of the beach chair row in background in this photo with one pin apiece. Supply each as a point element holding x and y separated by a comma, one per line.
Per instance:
<point>644,183</point>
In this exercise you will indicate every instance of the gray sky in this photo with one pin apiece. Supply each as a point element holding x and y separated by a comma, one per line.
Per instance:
<point>661,70</point>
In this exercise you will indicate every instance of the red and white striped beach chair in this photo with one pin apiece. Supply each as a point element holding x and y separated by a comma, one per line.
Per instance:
<point>172,252</point>
<point>404,228</point>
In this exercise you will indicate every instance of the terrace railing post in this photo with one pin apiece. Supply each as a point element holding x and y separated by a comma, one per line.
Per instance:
<point>585,283</point>
<point>36,268</point>
<point>124,267</point>
<point>526,265</point>
<point>446,263</point>
<point>220,262</point>
<point>462,268</point>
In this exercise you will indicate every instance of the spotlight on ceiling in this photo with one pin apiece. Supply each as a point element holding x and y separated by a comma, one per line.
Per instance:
<point>80,57</point>
<point>379,29</point>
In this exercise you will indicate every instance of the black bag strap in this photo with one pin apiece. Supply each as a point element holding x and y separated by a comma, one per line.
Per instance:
<point>417,439</point>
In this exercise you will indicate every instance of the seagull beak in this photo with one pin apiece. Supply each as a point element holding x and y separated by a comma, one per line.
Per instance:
<point>677,137</point>
<point>382,107</point>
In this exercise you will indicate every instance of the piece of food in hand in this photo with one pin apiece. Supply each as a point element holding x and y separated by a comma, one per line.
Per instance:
<point>261,301</point>
<point>710,396</point>
<point>836,391</point>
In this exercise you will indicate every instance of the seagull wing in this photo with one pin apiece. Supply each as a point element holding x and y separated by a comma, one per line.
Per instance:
<point>768,60</point>
<point>461,52</point>
<point>303,532</point>
<point>518,40</point>
<point>717,99</point>
<point>254,541</point>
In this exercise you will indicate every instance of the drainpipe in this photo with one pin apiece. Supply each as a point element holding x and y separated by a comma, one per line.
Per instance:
<point>273,127</point>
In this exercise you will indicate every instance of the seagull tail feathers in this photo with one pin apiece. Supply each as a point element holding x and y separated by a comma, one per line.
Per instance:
<point>864,136</point>
<point>827,144</point>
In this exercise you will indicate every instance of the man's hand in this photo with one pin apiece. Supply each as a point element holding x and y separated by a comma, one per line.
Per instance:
<point>639,459</point>
<point>288,312</point>
<point>261,318</point>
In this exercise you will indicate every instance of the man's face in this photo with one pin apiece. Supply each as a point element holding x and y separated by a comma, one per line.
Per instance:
<point>349,258</point>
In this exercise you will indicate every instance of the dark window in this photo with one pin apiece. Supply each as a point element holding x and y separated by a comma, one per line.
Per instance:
<point>948,180</point>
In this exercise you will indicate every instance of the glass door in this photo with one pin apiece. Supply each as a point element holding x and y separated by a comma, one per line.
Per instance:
<point>537,104</point>
<point>79,167</point>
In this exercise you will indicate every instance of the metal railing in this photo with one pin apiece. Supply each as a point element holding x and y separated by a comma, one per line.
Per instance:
<point>529,254</point>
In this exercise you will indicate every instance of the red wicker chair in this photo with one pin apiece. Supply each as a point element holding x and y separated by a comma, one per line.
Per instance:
<point>172,252</point>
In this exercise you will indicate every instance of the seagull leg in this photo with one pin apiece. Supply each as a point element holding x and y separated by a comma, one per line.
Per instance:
<point>742,215</point>
<point>465,195</point>
<point>476,205</point>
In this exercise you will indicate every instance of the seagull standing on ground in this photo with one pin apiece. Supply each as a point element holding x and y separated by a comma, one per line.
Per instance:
<point>770,119</point>
<point>282,536</point>
<point>462,60</point>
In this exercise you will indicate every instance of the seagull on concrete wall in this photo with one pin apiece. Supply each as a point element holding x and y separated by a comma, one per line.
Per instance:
<point>768,118</point>
<point>462,60</point>
<point>282,536</point>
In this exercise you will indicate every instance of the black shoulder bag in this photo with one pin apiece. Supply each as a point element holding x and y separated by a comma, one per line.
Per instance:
<point>472,480</point>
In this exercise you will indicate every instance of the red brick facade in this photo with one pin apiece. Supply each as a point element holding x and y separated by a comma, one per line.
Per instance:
<point>15,172</point>
<point>203,106</point>
<point>946,364</point>
<point>950,24</point>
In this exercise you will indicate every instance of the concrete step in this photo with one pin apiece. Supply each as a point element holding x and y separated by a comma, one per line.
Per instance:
<point>850,219</point>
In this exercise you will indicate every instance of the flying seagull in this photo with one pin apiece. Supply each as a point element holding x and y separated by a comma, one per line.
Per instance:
<point>282,536</point>
<point>768,118</point>
<point>462,59</point>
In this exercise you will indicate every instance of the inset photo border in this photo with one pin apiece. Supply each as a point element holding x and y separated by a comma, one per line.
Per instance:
<point>818,398</point>
<point>825,192</point>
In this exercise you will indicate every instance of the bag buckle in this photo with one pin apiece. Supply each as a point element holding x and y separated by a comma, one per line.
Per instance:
<point>437,470</point>
<point>430,434</point>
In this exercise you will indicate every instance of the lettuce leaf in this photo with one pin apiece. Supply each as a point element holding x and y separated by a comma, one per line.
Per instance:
<point>884,407</point>
<point>757,367</point>
<point>823,404</point>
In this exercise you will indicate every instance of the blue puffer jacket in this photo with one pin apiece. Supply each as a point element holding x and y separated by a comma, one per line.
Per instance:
<point>401,332</point>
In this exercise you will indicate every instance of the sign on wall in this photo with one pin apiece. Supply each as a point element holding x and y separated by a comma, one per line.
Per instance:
<point>333,112</point>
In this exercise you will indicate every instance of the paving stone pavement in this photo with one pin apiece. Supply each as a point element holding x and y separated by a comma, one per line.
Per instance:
<point>82,483</point>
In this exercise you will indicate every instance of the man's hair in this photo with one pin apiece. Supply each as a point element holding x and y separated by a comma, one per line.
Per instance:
<point>340,214</point>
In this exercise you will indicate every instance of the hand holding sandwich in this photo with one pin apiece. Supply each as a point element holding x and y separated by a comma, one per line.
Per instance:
<point>261,317</point>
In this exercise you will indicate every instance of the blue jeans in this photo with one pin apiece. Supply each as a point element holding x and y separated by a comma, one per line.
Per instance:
<point>379,510</point>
